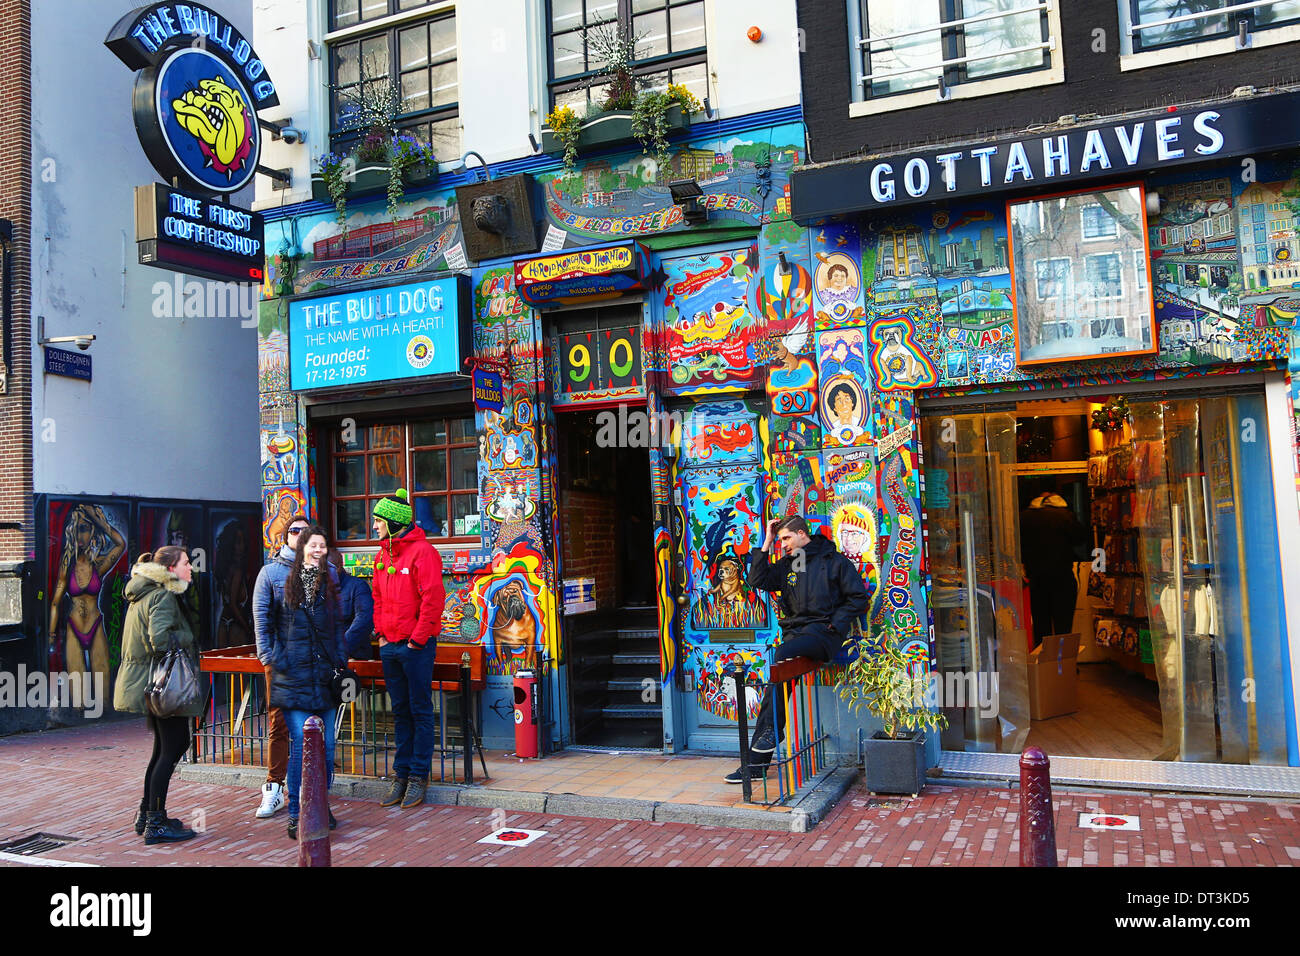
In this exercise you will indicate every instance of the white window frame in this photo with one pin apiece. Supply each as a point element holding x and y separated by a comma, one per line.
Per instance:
<point>1140,267</point>
<point>1087,273</point>
<point>963,91</point>
<point>1069,277</point>
<point>1129,60</point>
<point>1083,232</point>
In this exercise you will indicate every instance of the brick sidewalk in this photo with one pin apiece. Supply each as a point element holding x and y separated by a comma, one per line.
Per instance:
<point>85,782</point>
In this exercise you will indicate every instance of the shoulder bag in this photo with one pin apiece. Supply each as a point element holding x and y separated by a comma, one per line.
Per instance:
<point>173,684</point>
<point>345,683</point>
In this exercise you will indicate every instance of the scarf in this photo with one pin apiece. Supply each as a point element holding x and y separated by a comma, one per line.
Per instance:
<point>310,584</point>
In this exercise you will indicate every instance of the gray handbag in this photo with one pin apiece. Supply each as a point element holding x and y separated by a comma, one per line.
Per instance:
<point>174,685</point>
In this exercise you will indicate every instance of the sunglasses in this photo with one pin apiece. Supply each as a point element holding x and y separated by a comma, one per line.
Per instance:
<point>299,529</point>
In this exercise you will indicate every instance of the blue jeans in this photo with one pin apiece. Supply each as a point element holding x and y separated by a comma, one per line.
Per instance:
<point>295,719</point>
<point>408,676</point>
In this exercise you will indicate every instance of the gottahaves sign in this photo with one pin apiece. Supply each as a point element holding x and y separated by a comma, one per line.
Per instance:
<point>197,94</point>
<point>378,335</point>
<point>1048,158</point>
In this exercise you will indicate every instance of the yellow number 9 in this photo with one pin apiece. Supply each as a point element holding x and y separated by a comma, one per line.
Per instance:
<point>580,363</point>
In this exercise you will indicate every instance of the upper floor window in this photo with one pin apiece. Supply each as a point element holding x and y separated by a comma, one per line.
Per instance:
<point>929,44</point>
<point>670,47</point>
<point>1162,23</point>
<point>410,63</point>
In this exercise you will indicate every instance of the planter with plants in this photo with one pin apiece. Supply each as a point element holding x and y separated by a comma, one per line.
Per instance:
<point>624,115</point>
<point>385,160</point>
<point>877,680</point>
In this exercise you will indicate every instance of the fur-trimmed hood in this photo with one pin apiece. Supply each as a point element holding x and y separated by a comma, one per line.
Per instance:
<point>147,575</point>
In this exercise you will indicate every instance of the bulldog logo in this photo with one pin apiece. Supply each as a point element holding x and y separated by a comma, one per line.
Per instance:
<point>215,115</point>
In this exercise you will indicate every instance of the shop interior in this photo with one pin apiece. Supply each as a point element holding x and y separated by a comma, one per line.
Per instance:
<point>1064,535</point>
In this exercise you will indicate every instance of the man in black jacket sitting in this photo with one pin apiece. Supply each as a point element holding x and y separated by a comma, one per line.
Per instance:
<point>822,593</point>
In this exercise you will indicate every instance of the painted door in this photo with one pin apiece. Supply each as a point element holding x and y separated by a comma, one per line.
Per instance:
<point>720,482</point>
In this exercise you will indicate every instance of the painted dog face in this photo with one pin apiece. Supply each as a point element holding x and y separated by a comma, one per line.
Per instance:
<point>512,607</point>
<point>216,116</point>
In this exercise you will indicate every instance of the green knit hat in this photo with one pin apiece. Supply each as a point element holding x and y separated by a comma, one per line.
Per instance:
<point>394,508</point>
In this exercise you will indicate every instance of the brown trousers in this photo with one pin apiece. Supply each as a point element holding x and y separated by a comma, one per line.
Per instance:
<point>277,767</point>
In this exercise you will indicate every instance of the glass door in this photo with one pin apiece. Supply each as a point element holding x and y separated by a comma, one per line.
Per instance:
<point>977,598</point>
<point>1209,553</point>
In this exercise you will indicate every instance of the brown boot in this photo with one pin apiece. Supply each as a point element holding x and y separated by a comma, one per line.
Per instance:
<point>395,793</point>
<point>415,792</point>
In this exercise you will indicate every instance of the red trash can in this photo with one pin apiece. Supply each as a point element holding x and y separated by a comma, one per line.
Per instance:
<point>525,714</point>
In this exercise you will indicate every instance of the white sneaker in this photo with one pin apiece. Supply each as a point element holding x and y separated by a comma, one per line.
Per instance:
<point>274,800</point>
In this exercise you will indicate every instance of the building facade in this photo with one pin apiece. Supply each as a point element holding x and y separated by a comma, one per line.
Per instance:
<point>1123,156</point>
<point>136,439</point>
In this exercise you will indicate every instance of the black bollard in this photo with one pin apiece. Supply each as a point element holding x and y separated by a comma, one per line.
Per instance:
<point>313,792</point>
<point>738,673</point>
<point>1037,827</point>
<point>466,735</point>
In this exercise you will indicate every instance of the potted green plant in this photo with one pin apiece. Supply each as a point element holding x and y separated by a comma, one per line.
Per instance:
<point>623,114</point>
<point>878,680</point>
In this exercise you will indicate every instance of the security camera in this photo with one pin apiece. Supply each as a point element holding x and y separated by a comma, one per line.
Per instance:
<point>292,135</point>
<point>83,341</point>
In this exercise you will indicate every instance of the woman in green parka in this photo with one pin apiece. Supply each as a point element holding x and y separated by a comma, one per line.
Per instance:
<point>154,619</point>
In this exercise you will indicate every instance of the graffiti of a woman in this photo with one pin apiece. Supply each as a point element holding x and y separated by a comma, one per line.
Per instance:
<point>234,626</point>
<point>91,546</point>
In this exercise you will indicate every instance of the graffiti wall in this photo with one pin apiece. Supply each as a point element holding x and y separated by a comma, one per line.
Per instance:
<point>90,547</point>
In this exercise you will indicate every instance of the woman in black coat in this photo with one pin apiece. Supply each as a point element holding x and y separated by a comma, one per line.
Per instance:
<point>306,647</point>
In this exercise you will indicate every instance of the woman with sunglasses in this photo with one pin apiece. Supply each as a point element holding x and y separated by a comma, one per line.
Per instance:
<point>268,590</point>
<point>306,646</point>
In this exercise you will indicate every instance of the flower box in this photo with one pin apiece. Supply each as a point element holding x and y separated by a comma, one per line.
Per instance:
<point>895,765</point>
<point>611,128</point>
<point>370,179</point>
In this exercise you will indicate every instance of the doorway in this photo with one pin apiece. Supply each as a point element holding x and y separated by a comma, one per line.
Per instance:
<point>606,546</point>
<point>1120,553</point>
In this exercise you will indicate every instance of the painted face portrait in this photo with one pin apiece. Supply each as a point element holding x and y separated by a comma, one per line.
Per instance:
<point>839,278</point>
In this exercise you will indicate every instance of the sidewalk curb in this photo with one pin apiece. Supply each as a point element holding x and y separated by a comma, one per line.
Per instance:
<point>809,810</point>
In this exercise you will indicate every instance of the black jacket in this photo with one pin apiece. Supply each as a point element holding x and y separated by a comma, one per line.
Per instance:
<point>822,599</point>
<point>1049,540</point>
<point>304,653</point>
<point>357,608</point>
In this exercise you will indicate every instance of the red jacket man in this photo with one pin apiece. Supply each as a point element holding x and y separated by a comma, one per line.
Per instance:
<point>408,615</point>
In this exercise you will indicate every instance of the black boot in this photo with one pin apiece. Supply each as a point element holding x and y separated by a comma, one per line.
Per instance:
<point>395,793</point>
<point>414,792</point>
<point>159,829</point>
<point>139,820</point>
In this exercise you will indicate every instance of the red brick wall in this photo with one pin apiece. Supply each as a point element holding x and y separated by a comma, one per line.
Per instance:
<point>17,534</point>
<point>588,525</point>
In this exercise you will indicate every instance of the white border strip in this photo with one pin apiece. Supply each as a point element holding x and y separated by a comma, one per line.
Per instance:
<point>1280,411</point>
<point>38,860</point>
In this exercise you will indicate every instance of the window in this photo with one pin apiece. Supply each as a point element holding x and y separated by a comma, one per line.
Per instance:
<point>1105,274</point>
<point>1201,28</point>
<point>903,47</point>
<point>1052,278</point>
<point>672,47</point>
<point>414,60</point>
<point>1140,269</point>
<point>435,459</point>
<point>1097,223</point>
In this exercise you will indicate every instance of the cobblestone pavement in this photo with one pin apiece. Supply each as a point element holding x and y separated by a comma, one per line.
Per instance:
<point>85,782</point>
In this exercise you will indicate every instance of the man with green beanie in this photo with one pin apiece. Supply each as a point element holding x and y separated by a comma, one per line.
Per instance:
<point>408,616</point>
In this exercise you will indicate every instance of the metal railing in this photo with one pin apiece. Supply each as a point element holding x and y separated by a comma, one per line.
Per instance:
<point>800,752</point>
<point>232,731</point>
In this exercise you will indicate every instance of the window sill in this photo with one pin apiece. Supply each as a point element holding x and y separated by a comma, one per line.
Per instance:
<point>1206,48</point>
<point>966,91</point>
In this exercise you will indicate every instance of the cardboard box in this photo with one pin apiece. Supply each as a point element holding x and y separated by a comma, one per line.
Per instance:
<point>1053,682</point>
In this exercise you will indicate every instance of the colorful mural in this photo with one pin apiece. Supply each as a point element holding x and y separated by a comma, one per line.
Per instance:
<point>236,560</point>
<point>87,564</point>
<point>710,332</point>
<point>842,373</point>
<point>837,276</point>
<point>745,183</point>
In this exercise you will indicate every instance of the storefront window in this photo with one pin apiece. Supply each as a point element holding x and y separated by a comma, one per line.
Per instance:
<point>435,459</point>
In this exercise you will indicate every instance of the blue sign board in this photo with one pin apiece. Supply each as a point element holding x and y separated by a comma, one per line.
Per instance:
<point>68,364</point>
<point>378,335</point>
<point>487,390</point>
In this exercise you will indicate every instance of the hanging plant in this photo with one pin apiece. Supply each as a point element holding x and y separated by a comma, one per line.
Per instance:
<point>650,124</point>
<point>334,171</point>
<point>1112,416</point>
<point>405,153</point>
<point>683,98</point>
<point>567,127</point>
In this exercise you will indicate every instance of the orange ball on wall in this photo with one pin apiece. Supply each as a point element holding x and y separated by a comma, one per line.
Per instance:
<point>754,34</point>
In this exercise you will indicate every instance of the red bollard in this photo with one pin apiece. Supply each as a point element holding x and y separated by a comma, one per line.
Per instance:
<point>313,798</point>
<point>1037,826</point>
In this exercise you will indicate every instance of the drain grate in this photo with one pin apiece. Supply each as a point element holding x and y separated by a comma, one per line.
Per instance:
<point>36,844</point>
